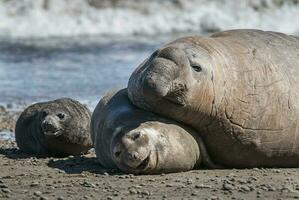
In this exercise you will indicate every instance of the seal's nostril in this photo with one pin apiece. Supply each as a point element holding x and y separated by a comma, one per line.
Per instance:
<point>47,126</point>
<point>135,136</point>
<point>117,153</point>
<point>133,156</point>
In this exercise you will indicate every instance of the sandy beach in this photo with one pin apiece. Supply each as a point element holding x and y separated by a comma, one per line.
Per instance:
<point>26,177</point>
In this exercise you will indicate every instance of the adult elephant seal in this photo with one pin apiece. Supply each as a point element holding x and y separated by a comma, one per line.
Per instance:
<point>60,128</point>
<point>238,89</point>
<point>140,142</point>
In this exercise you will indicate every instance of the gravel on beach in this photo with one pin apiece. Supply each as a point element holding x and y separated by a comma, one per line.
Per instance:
<point>81,177</point>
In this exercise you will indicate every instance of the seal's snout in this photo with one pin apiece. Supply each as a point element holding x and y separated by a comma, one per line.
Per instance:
<point>165,76</point>
<point>50,125</point>
<point>132,152</point>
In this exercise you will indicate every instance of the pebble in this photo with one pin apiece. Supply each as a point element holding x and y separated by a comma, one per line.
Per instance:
<point>3,186</point>
<point>227,186</point>
<point>34,184</point>
<point>147,193</point>
<point>6,190</point>
<point>201,186</point>
<point>106,173</point>
<point>245,188</point>
<point>193,194</point>
<point>37,193</point>
<point>133,191</point>
<point>88,184</point>
<point>189,181</point>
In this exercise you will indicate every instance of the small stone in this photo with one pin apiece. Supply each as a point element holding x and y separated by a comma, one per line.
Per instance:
<point>43,198</point>
<point>201,186</point>
<point>276,171</point>
<point>189,181</point>
<point>245,188</point>
<point>227,186</point>
<point>34,184</point>
<point>106,173</point>
<point>60,198</point>
<point>133,191</point>
<point>3,186</point>
<point>6,190</point>
<point>193,194</point>
<point>37,193</point>
<point>147,193</point>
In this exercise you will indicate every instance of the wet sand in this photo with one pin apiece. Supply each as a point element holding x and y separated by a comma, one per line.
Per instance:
<point>26,177</point>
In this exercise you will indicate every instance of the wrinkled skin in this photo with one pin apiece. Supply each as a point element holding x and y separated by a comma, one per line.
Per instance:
<point>140,142</point>
<point>57,128</point>
<point>238,89</point>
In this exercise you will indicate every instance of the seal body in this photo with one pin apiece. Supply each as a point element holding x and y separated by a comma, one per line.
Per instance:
<point>60,128</point>
<point>238,89</point>
<point>140,142</point>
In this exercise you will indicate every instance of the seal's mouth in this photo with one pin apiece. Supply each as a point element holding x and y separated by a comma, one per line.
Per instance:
<point>177,102</point>
<point>53,133</point>
<point>144,163</point>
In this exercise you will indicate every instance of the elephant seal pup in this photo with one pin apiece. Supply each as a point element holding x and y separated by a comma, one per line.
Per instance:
<point>60,128</point>
<point>139,142</point>
<point>239,89</point>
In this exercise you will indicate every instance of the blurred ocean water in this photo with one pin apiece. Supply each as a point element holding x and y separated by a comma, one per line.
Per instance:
<point>35,71</point>
<point>45,18</point>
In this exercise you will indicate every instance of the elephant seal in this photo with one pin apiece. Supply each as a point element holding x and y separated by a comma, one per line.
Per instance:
<point>237,88</point>
<point>60,128</point>
<point>140,142</point>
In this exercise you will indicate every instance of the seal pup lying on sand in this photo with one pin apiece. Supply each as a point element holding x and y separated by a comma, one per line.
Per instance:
<point>60,128</point>
<point>140,142</point>
<point>239,89</point>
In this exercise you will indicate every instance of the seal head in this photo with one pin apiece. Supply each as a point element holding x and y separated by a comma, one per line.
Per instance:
<point>60,127</point>
<point>173,77</point>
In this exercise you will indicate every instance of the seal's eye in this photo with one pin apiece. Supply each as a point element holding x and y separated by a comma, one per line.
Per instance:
<point>197,68</point>
<point>61,115</point>
<point>135,136</point>
<point>44,113</point>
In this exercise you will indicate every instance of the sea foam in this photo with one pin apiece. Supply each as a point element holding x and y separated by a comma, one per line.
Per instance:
<point>54,18</point>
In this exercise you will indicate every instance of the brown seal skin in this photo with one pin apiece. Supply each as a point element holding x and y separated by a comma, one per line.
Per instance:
<point>238,89</point>
<point>140,142</point>
<point>59,128</point>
